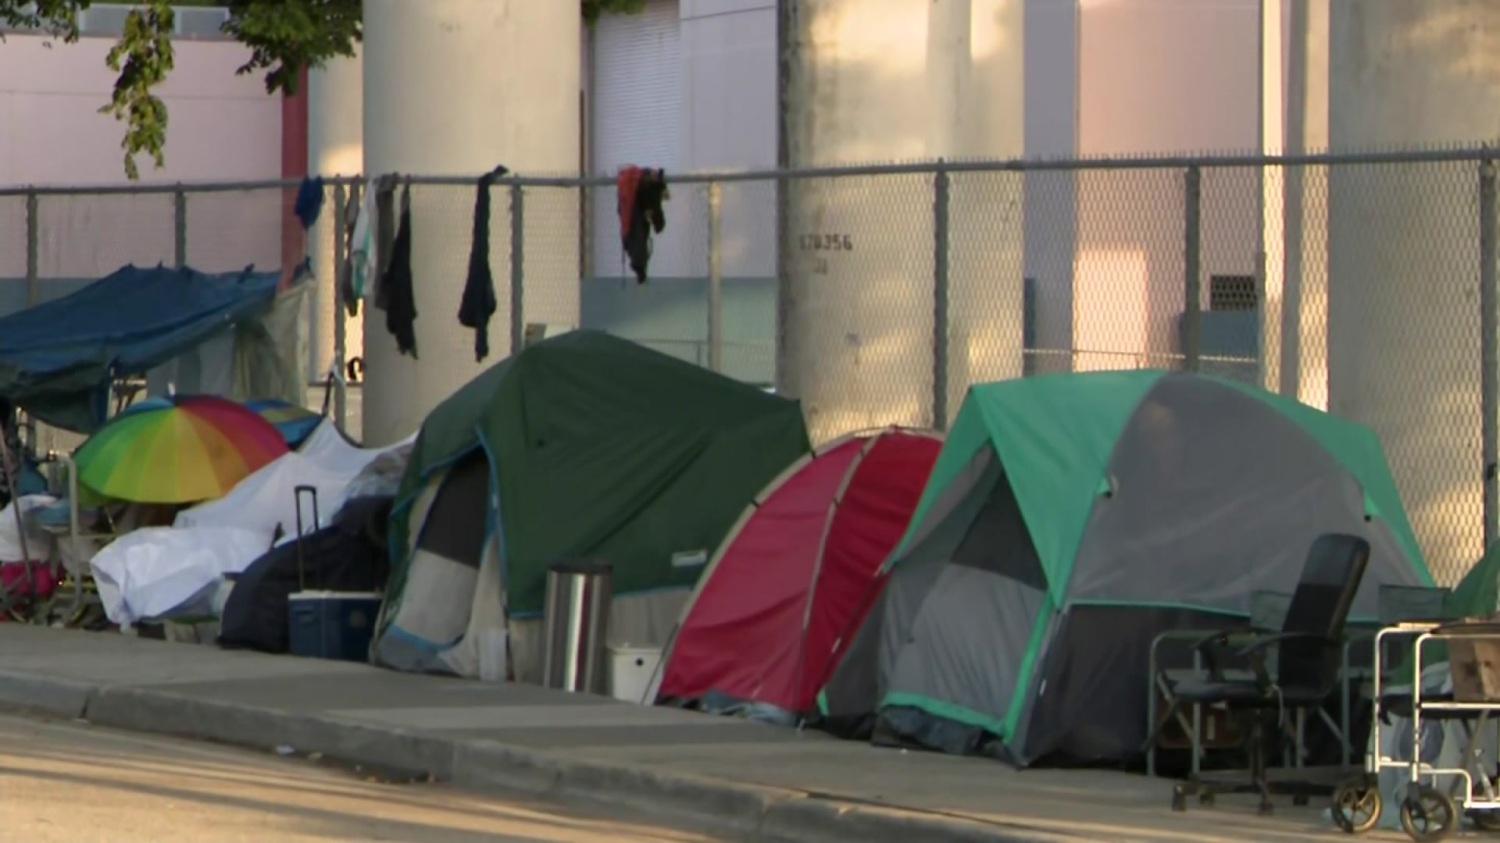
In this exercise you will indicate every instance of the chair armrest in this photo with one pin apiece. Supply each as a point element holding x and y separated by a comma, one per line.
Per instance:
<point>1256,647</point>
<point>1206,644</point>
<point>1261,642</point>
<point>1222,636</point>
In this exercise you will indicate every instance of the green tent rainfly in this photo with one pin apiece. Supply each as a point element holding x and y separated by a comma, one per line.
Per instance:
<point>1069,520</point>
<point>582,445</point>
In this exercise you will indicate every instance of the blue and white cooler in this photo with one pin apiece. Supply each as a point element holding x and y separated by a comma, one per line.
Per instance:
<point>332,624</point>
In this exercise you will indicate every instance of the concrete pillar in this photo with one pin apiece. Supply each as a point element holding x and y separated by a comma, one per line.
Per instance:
<point>455,87</point>
<point>923,79</point>
<point>335,147</point>
<point>1403,341</point>
<point>1304,310</point>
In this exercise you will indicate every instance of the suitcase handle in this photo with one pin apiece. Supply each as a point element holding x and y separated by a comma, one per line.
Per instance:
<point>297,493</point>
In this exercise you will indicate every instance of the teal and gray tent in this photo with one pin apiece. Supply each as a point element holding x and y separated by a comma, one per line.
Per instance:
<point>1069,520</point>
<point>582,445</point>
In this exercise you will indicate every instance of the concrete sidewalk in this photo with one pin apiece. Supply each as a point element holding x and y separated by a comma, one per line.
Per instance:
<point>746,777</point>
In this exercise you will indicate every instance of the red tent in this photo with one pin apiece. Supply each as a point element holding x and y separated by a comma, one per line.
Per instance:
<point>798,572</point>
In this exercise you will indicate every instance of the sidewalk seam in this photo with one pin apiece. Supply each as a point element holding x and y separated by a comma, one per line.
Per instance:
<point>785,815</point>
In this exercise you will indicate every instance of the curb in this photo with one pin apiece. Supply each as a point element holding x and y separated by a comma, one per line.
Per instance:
<point>786,816</point>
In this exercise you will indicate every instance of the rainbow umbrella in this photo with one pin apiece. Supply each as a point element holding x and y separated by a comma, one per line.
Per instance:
<point>296,423</point>
<point>177,449</point>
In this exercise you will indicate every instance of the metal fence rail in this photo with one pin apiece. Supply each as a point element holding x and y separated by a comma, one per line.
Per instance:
<point>1363,284</point>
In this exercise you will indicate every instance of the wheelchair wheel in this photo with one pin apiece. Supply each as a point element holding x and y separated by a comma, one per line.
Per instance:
<point>1357,805</point>
<point>1428,814</point>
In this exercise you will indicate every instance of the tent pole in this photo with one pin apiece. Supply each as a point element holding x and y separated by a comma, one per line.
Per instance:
<point>817,570</point>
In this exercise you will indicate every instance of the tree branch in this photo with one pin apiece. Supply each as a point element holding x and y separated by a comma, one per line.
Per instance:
<point>143,58</point>
<point>54,18</point>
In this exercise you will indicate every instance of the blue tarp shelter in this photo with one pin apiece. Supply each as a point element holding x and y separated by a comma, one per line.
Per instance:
<point>58,359</point>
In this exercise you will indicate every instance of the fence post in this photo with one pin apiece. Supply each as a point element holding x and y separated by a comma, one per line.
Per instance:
<point>715,278</point>
<point>340,324</point>
<point>1489,378</point>
<point>33,249</point>
<point>1192,263</point>
<point>179,228</point>
<point>940,185</point>
<point>517,267</point>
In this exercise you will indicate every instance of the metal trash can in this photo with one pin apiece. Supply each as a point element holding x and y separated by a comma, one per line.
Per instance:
<point>576,621</point>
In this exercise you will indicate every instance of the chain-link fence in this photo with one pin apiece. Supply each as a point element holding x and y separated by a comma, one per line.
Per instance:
<point>1360,284</point>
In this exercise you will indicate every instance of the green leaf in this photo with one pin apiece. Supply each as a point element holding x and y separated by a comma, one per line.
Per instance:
<point>142,58</point>
<point>594,9</point>
<point>53,18</point>
<point>286,37</point>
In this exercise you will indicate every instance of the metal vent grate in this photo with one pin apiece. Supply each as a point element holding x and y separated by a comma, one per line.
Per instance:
<point>1232,292</point>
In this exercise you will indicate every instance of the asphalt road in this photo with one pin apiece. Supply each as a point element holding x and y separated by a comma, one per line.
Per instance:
<point>72,783</point>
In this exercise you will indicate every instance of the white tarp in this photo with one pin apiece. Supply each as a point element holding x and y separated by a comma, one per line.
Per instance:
<point>327,447</point>
<point>162,571</point>
<point>267,499</point>
<point>38,541</point>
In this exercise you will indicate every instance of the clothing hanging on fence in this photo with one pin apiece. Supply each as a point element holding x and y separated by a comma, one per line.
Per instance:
<point>351,273</point>
<point>478,303</point>
<point>364,257</point>
<point>384,237</point>
<point>309,202</point>
<point>396,296</point>
<point>640,192</point>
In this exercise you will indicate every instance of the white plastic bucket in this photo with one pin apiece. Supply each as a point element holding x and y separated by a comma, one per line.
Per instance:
<point>634,673</point>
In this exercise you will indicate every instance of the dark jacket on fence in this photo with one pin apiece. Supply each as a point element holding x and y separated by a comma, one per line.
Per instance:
<point>478,303</point>
<point>395,295</point>
<point>640,193</point>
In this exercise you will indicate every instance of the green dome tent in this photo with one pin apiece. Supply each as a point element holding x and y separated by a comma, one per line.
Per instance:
<point>1476,594</point>
<point>582,445</point>
<point>1072,518</point>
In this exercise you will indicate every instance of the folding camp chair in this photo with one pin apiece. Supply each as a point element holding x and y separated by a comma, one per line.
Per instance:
<point>1307,658</point>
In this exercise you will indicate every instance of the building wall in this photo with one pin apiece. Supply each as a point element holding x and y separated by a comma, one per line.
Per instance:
<point>701,95</point>
<point>1159,77</point>
<point>223,127</point>
<point>1103,250</point>
<point>1051,198</point>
